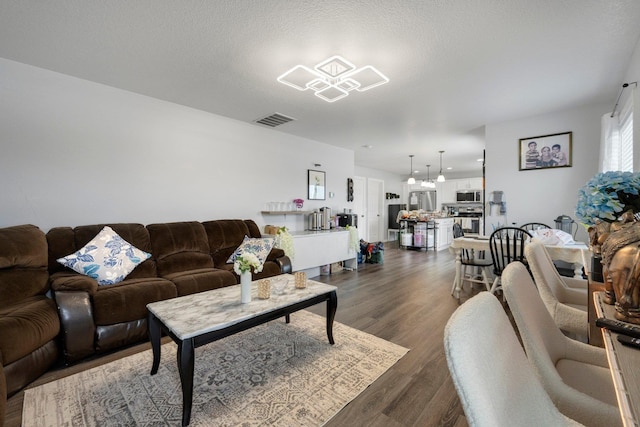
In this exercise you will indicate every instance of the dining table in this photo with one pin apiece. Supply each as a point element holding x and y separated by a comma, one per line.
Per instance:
<point>577,253</point>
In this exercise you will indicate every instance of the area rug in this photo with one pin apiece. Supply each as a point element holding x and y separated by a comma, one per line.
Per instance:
<point>276,374</point>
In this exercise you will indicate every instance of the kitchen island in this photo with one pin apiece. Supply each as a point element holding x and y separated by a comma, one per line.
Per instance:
<point>436,233</point>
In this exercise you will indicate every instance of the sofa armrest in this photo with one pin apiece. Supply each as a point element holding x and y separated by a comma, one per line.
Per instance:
<point>3,394</point>
<point>78,327</point>
<point>73,282</point>
<point>285,264</point>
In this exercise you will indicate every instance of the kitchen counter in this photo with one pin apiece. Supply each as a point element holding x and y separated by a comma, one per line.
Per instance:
<point>317,232</point>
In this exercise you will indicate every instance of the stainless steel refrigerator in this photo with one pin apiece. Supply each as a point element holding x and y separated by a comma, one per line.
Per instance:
<point>425,200</point>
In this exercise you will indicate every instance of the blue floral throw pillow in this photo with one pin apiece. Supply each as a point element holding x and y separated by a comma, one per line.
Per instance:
<point>108,258</point>
<point>260,247</point>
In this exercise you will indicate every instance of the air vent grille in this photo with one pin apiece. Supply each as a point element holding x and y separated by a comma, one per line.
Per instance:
<point>276,119</point>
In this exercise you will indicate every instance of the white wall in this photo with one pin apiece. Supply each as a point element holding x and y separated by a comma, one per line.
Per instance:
<point>75,152</point>
<point>542,195</point>
<point>392,184</point>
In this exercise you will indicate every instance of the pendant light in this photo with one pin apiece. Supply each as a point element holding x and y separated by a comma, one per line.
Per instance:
<point>428,182</point>
<point>431,183</point>
<point>411,179</point>
<point>441,177</point>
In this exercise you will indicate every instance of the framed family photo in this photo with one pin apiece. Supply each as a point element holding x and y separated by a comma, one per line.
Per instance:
<point>317,184</point>
<point>546,151</point>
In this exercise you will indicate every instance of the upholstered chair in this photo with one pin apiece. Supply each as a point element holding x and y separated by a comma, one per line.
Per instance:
<point>575,375</point>
<point>496,383</point>
<point>566,305</point>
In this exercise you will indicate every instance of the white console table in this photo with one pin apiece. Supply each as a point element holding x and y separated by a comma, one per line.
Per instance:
<point>317,248</point>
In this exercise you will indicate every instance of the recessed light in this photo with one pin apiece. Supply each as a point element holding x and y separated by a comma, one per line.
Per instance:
<point>449,168</point>
<point>367,146</point>
<point>480,160</point>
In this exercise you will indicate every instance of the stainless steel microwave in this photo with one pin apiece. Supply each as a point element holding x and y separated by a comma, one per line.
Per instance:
<point>473,196</point>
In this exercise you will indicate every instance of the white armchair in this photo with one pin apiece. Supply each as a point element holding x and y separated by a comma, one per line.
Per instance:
<point>564,297</point>
<point>575,375</point>
<point>495,381</point>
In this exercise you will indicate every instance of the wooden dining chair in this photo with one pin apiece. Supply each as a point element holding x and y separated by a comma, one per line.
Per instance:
<point>506,245</point>
<point>475,267</point>
<point>531,226</point>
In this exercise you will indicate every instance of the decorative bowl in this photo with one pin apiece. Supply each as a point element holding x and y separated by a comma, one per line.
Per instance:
<point>279,284</point>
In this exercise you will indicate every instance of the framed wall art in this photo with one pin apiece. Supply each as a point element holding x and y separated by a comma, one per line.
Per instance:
<point>546,151</point>
<point>316,184</point>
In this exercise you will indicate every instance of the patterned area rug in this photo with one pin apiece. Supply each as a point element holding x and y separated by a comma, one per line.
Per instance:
<point>274,374</point>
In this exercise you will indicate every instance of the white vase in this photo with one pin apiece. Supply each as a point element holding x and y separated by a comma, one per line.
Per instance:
<point>245,287</point>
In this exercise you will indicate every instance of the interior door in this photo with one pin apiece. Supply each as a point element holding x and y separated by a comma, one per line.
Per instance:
<point>360,206</point>
<point>375,209</point>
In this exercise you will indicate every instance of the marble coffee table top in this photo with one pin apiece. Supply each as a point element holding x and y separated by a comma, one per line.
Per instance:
<point>197,314</point>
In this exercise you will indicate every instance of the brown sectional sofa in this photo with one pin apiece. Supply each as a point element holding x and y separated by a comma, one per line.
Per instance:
<point>101,318</point>
<point>29,322</point>
<point>187,257</point>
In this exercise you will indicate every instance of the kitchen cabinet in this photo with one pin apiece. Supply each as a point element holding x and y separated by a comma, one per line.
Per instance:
<point>335,247</point>
<point>446,192</point>
<point>469,184</point>
<point>444,236</point>
<point>417,234</point>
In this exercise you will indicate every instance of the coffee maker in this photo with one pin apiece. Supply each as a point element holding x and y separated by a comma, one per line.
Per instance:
<point>345,219</point>
<point>325,215</point>
<point>315,221</point>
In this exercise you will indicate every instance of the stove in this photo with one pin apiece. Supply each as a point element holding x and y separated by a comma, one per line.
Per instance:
<point>466,210</point>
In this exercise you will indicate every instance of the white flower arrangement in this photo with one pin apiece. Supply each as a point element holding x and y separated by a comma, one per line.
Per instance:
<point>354,240</point>
<point>245,262</point>
<point>284,241</point>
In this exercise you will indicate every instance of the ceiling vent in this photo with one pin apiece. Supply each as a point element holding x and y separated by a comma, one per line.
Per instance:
<point>276,119</point>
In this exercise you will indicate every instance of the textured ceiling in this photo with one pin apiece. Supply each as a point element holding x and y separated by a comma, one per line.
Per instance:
<point>454,66</point>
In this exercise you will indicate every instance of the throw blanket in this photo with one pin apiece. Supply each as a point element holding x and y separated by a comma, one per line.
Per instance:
<point>551,236</point>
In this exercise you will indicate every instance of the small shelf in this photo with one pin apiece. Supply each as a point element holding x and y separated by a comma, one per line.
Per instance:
<point>284,212</point>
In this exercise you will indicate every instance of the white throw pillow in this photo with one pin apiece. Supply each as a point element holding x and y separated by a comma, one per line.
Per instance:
<point>108,258</point>
<point>260,247</point>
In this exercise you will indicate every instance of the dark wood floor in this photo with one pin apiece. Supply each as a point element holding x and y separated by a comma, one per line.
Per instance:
<point>405,300</point>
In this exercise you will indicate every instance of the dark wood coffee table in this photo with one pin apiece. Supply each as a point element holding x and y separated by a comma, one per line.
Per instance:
<point>198,319</point>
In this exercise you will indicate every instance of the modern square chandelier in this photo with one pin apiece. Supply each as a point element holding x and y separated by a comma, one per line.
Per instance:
<point>333,78</point>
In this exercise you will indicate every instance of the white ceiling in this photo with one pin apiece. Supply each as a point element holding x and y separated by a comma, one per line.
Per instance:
<point>454,66</point>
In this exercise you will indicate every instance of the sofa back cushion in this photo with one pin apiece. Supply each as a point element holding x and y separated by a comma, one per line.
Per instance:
<point>23,263</point>
<point>254,230</point>
<point>65,240</point>
<point>224,237</point>
<point>179,246</point>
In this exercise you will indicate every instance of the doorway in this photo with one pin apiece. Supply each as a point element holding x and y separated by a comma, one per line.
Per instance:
<point>360,205</point>
<point>375,209</point>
